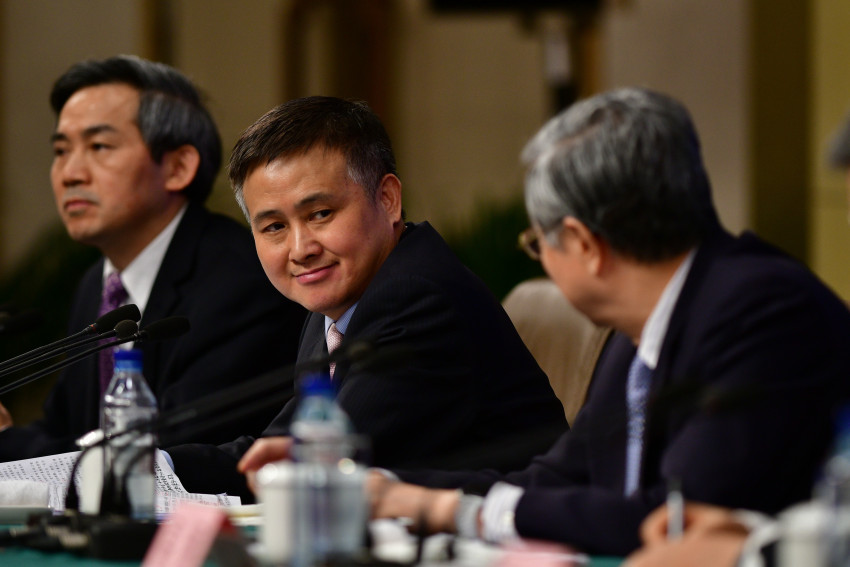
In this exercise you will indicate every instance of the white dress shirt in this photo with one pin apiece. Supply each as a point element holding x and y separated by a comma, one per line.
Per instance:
<point>138,277</point>
<point>499,505</point>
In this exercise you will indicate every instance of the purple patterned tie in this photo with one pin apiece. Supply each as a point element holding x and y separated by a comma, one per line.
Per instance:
<point>334,339</point>
<point>114,295</point>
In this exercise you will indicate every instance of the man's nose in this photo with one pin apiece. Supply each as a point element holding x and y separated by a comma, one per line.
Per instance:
<point>304,244</point>
<point>74,169</point>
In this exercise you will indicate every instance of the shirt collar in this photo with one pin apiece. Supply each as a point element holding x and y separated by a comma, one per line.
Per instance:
<point>139,275</point>
<point>342,322</point>
<point>652,336</point>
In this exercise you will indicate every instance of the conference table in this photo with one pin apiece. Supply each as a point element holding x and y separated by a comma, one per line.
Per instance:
<point>29,558</point>
<point>468,554</point>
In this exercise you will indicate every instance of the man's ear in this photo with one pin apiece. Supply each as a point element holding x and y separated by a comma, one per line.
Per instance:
<point>389,196</point>
<point>589,248</point>
<point>180,167</point>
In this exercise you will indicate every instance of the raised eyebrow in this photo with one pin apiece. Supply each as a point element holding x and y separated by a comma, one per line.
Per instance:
<point>309,200</point>
<point>264,215</point>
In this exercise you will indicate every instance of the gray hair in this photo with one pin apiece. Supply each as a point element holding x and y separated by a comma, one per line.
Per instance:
<point>627,164</point>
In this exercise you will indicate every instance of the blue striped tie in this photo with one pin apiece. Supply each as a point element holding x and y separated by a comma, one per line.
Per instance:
<point>637,391</point>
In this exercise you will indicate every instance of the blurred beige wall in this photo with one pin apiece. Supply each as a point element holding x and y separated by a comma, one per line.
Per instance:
<point>829,217</point>
<point>465,93</point>
<point>696,51</point>
<point>40,39</point>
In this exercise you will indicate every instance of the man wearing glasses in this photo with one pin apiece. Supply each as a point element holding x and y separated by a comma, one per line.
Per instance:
<point>728,360</point>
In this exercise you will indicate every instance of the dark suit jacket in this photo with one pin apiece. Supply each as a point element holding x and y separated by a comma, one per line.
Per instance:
<point>240,327</point>
<point>755,359</point>
<point>469,394</point>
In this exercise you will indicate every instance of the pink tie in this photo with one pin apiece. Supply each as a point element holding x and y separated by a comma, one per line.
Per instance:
<point>114,295</point>
<point>334,339</point>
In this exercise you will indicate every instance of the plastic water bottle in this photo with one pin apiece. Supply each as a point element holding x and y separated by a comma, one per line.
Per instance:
<point>320,427</point>
<point>128,402</point>
<point>328,504</point>
<point>833,491</point>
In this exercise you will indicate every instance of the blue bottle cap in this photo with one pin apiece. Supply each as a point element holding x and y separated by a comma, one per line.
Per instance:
<point>316,384</point>
<point>128,357</point>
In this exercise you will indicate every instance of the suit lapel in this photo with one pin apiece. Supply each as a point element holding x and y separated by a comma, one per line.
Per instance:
<point>177,266</point>
<point>670,380</point>
<point>313,345</point>
<point>91,290</point>
<point>683,312</point>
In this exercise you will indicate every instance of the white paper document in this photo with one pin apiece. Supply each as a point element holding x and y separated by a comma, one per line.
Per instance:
<point>55,470</point>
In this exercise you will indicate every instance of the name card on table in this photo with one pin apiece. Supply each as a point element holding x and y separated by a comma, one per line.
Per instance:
<point>536,553</point>
<point>189,535</point>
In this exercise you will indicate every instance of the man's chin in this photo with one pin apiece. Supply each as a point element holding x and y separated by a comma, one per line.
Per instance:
<point>82,235</point>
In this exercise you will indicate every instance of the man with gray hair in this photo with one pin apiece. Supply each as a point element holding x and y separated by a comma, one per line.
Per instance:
<point>721,379</point>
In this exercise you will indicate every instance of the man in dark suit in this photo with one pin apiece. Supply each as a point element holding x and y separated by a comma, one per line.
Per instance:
<point>316,178</point>
<point>728,360</point>
<point>716,535</point>
<point>135,156</point>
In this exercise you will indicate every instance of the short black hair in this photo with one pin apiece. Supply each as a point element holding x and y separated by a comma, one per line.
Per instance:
<point>296,126</point>
<point>171,112</point>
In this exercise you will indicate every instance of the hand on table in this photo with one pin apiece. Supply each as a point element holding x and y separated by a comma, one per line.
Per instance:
<point>713,537</point>
<point>705,549</point>
<point>389,498</point>
<point>698,518</point>
<point>5,418</point>
<point>264,450</point>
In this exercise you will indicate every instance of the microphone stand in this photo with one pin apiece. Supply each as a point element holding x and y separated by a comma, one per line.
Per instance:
<point>127,332</point>
<point>57,351</point>
<point>74,358</point>
<point>112,535</point>
<point>232,402</point>
<point>108,321</point>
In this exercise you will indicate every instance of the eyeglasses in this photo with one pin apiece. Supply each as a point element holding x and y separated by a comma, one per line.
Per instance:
<point>529,242</point>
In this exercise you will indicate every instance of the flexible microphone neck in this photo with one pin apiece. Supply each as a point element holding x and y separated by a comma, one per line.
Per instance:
<point>231,402</point>
<point>122,330</point>
<point>167,328</point>
<point>103,324</point>
<point>159,330</point>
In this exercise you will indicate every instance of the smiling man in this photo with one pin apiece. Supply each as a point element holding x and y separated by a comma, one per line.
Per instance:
<point>135,157</point>
<point>316,178</point>
<point>320,236</point>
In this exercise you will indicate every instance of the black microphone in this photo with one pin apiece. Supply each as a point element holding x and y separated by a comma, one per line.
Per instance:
<point>232,402</point>
<point>225,404</point>
<point>121,329</point>
<point>104,323</point>
<point>109,320</point>
<point>125,331</point>
<point>11,322</point>
<point>163,329</point>
<point>159,330</point>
